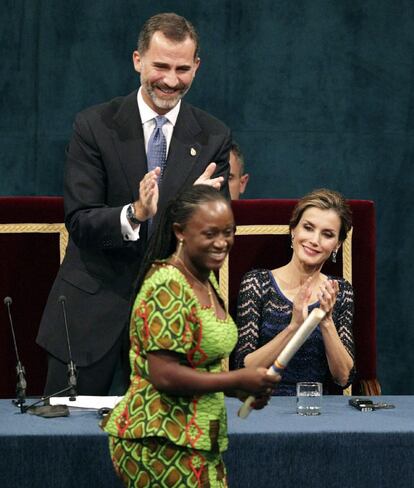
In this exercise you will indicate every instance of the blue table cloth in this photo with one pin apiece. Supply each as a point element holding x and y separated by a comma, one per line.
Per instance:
<point>275,447</point>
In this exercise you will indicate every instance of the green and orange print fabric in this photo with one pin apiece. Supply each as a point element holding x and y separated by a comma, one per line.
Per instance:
<point>168,316</point>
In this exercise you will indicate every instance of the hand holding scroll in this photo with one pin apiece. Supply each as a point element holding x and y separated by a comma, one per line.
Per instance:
<point>300,336</point>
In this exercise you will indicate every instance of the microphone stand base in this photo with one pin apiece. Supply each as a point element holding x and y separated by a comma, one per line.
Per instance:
<point>19,402</point>
<point>46,410</point>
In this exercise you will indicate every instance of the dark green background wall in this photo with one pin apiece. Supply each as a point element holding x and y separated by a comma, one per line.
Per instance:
<point>317,92</point>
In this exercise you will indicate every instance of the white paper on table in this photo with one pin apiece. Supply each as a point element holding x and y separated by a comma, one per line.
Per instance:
<point>87,402</point>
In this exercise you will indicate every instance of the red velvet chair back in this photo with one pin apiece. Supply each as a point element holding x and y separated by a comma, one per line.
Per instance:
<point>32,244</point>
<point>262,241</point>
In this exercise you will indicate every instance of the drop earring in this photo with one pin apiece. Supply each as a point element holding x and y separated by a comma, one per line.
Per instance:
<point>179,248</point>
<point>291,240</point>
<point>334,256</point>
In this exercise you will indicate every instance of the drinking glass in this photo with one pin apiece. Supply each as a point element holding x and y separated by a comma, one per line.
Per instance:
<point>308,398</point>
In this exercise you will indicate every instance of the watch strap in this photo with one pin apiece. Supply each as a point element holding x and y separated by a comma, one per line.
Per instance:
<point>130,213</point>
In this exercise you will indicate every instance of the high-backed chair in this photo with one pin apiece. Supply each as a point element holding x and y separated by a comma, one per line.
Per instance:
<point>262,241</point>
<point>32,244</point>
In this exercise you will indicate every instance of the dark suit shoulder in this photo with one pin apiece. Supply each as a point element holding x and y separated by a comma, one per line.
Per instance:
<point>205,119</point>
<point>108,110</point>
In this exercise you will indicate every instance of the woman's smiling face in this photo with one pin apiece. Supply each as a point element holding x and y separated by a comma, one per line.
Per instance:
<point>316,236</point>
<point>208,236</point>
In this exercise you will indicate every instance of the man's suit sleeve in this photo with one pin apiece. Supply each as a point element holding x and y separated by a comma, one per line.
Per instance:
<point>223,166</point>
<point>92,220</point>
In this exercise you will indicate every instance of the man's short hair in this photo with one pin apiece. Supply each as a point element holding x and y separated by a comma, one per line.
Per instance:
<point>173,26</point>
<point>235,148</point>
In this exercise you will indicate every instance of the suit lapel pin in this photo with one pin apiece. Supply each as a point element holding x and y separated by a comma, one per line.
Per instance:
<point>193,152</point>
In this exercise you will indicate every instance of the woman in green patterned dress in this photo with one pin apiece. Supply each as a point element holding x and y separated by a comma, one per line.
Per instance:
<point>170,428</point>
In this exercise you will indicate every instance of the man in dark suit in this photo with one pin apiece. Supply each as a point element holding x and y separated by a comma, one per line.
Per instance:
<point>112,198</point>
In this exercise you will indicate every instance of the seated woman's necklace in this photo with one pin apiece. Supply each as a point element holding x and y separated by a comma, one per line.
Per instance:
<point>207,286</point>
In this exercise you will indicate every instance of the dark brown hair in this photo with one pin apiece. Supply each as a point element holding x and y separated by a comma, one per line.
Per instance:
<point>235,148</point>
<point>325,200</point>
<point>173,26</point>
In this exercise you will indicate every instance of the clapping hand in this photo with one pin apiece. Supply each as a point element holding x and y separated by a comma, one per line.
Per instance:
<point>146,206</point>
<point>206,177</point>
<point>300,303</point>
<point>327,296</point>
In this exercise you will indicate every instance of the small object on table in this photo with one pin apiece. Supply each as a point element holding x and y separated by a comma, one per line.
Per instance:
<point>367,405</point>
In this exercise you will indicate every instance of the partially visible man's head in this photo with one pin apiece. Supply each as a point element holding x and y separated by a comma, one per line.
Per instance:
<point>238,179</point>
<point>167,60</point>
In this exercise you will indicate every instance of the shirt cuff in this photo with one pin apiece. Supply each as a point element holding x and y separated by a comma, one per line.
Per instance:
<point>128,233</point>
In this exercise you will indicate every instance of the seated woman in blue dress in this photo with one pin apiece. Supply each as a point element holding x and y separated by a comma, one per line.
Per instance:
<point>272,304</point>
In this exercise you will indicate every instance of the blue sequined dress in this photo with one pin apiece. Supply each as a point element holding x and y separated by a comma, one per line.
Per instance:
<point>263,312</point>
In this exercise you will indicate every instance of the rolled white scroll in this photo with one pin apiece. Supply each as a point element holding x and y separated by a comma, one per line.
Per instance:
<point>299,337</point>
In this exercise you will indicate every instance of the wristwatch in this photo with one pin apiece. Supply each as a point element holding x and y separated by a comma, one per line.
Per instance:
<point>130,213</point>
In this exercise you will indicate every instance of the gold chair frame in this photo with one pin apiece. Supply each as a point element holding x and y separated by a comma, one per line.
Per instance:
<point>40,228</point>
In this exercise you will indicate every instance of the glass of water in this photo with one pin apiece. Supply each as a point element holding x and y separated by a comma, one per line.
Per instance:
<point>308,398</point>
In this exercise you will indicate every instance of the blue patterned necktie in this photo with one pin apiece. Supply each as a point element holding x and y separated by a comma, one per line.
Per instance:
<point>157,153</point>
<point>157,146</point>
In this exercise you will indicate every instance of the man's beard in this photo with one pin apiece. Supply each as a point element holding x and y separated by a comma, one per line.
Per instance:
<point>167,104</point>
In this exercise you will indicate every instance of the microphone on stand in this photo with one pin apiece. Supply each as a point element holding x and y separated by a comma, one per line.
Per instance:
<point>72,371</point>
<point>47,410</point>
<point>20,371</point>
